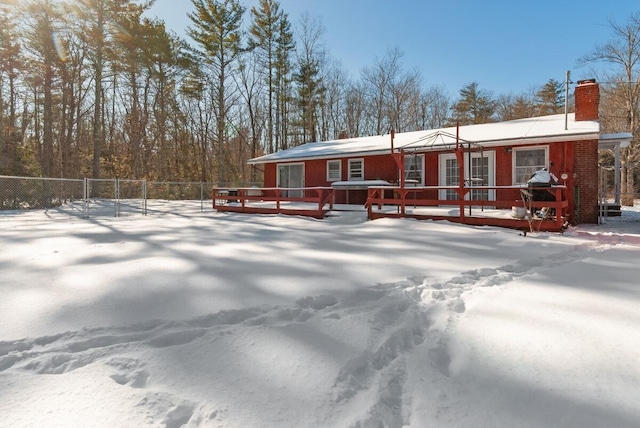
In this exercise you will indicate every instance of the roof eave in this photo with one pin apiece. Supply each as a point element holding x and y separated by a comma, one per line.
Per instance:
<point>519,141</point>
<point>257,161</point>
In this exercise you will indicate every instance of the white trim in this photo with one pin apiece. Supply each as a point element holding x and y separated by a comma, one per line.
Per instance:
<point>422,167</point>
<point>333,161</point>
<point>442,178</point>
<point>288,164</point>
<point>361,176</point>
<point>442,173</point>
<point>520,149</point>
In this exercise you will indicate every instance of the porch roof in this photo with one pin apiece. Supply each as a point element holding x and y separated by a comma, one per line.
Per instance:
<point>543,129</point>
<point>610,141</point>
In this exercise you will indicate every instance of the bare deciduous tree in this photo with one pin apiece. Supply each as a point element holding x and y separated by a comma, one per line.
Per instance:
<point>622,94</point>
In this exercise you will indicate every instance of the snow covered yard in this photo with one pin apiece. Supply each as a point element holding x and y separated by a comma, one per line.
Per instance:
<point>219,320</point>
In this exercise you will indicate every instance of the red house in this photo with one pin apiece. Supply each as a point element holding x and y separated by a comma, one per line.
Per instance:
<point>477,169</point>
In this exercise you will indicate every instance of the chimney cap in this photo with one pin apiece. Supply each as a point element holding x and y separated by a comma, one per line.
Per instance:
<point>586,81</point>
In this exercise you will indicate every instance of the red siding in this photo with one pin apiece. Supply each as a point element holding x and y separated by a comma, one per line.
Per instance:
<point>270,175</point>
<point>579,160</point>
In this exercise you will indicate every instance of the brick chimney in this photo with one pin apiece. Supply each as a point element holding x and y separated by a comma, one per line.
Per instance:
<point>587,95</point>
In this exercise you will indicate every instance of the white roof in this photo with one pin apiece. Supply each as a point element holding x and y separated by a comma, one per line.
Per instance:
<point>543,129</point>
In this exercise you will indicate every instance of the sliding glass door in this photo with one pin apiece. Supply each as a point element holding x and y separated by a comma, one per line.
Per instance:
<point>291,175</point>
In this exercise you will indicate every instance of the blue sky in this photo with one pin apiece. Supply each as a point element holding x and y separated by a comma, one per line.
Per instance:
<point>507,46</point>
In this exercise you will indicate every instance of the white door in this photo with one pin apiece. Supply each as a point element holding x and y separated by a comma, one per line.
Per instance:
<point>481,172</point>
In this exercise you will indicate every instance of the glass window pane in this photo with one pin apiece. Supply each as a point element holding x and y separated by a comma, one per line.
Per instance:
<point>333,170</point>
<point>356,169</point>
<point>413,168</point>
<point>528,161</point>
<point>480,177</point>
<point>452,178</point>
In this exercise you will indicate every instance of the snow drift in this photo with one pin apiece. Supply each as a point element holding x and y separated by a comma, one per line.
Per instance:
<point>212,320</point>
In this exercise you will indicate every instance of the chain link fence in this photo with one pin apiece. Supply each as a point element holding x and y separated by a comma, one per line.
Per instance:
<point>116,197</point>
<point>102,197</point>
<point>24,193</point>
<point>616,204</point>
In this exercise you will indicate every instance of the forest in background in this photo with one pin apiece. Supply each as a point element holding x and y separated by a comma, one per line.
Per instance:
<point>95,88</point>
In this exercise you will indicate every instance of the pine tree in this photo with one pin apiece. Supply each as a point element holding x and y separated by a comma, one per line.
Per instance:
<point>264,37</point>
<point>284,51</point>
<point>216,30</point>
<point>474,106</point>
<point>550,98</point>
<point>10,67</point>
<point>308,77</point>
<point>309,92</point>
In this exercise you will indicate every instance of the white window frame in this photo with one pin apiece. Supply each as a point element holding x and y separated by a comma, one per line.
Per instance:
<point>490,155</point>
<point>530,169</point>
<point>329,170</point>
<point>351,170</point>
<point>421,169</point>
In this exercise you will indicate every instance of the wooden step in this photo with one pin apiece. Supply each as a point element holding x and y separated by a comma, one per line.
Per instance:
<point>611,210</point>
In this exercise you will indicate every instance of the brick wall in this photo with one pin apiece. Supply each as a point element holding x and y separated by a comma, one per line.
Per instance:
<point>587,98</point>
<point>586,181</point>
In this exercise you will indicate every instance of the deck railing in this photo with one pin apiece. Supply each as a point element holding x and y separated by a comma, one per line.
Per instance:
<point>307,201</point>
<point>420,202</point>
<point>390,201</point>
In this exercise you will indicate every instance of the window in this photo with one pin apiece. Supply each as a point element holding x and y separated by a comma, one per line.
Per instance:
<point>334,170</point>
<point>414,169</point>
<point>356,169</point>
<point>526,161</point>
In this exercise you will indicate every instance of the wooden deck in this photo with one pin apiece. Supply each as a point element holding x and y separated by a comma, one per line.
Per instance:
<point>420,202</point>
<point>313,202</point>
<point>414,202</point>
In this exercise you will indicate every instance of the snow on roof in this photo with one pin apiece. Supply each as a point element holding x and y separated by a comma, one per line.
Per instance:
<point>514,132</point>
<point>610,141</point>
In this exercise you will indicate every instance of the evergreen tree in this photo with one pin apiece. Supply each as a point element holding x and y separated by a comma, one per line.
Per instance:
<point>309,92</point>
<point>550,98</point>
<point>264,41</point>
<point>308,78</point>
<point>474,106</point>
<point>216,30</point>
<point>283,76</point>
<point>11,65</point>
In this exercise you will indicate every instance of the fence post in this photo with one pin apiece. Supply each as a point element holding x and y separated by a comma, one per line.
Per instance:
<point>201,197</point>
<point>116,205</point>
<point>85,197</point>
<point>144,196</point>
